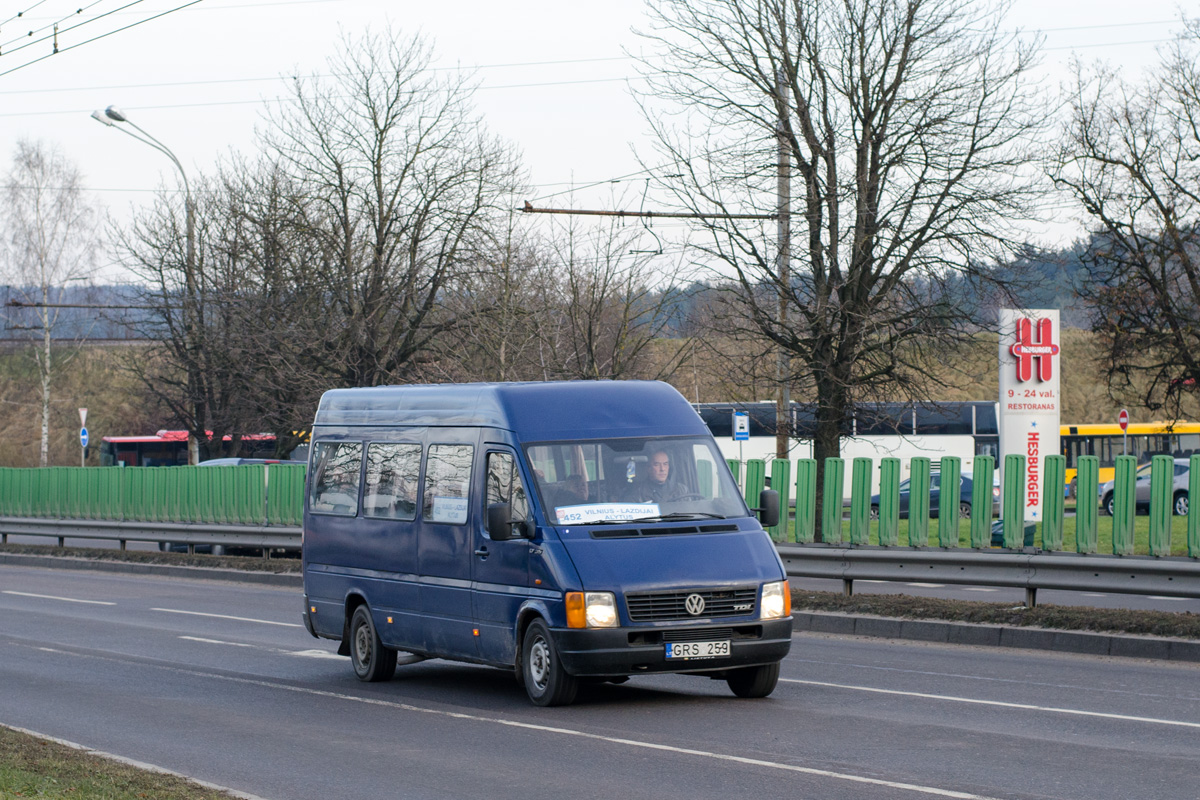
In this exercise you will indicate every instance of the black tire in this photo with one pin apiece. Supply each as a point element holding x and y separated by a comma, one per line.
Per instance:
<point>754,681</point>
<point>371,660</point>
<point>1179,506</point>
<point>964,510</point>
<point>546,682</point>
<point>874,512</point>
<point>1109,504</point>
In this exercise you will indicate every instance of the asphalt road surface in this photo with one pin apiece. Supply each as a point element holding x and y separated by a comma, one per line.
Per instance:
<point>221,682</point>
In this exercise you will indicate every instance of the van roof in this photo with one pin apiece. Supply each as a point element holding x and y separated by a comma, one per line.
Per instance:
<point>532,411</point>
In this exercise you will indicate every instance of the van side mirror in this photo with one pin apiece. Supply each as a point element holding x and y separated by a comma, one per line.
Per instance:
<point>502,527</point>
<point>768,508</point>
<point>499,522</point>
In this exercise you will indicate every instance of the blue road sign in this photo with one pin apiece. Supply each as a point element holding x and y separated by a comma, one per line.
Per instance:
<point>83,437</point>
<point>741,426</point>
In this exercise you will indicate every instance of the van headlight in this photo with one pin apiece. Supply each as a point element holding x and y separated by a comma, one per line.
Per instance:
<point>601,609</point>
<point>591,610</point>
<point>776,600</point>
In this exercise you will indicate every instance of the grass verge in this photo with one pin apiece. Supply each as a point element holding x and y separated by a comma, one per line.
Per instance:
<point>34,767</point>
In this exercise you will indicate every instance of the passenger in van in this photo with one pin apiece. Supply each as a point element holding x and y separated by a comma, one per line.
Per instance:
<point>657,485</point>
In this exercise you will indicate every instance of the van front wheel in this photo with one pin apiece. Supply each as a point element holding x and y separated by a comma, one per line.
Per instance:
<point>754,681</point>
<point>546,682</point>
<point>372,661</point>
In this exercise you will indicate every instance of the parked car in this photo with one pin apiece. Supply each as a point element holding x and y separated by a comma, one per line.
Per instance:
<point>965,489</point>
<point>1179,490</point>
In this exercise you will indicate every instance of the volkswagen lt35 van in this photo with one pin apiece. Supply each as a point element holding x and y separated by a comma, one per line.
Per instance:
<point>568,532</point>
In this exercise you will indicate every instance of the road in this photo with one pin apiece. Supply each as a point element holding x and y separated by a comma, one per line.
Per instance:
<point>219,681</point>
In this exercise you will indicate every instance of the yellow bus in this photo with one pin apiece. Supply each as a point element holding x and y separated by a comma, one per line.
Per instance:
<point>1142,440</point>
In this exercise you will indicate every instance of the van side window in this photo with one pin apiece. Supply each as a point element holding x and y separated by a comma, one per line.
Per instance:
<point>336,468</point>
<point>504,485</point>
<point>392,472</point>
<point>448,483</point>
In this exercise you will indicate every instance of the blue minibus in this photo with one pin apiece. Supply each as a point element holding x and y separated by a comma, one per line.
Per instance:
<point>569,532</point>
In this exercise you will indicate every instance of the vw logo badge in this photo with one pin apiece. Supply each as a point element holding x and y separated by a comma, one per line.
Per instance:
<point>694,605</point>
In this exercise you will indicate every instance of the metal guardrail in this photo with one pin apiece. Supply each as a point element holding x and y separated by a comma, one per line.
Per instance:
<point>1145,575</point>
<point>122,532</point>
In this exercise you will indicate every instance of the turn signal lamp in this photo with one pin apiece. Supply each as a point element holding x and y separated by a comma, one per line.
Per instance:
<point>575,610</point>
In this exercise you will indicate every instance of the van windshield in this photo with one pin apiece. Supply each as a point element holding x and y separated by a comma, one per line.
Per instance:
<point>611,480</point>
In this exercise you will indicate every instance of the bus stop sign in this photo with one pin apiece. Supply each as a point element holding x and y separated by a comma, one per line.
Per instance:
<point>741,426</point>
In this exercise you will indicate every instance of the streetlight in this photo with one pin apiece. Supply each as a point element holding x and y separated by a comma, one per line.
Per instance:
<point>110,116</point>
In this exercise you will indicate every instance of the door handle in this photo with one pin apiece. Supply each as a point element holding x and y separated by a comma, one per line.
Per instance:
<point>482,552</point>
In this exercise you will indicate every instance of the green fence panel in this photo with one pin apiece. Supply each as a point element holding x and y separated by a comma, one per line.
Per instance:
<point>7,491</point>
<point>48,494</point>
<point>950,470</point>
<point>1013,502</point>
<point>704,477</point>
<point>889,501</point>
<point>1193,517</point>
<point>981,501</point>
<point>254,502</point>
<point>831,500</point>
<point>1087,501</point>
<point>920,469</point>
<point>860,500</point>
<point>1054,472</point>
<point>285,494</point>
<point>65,490</point>
<point>756,479</point>
<point>1162,479</point>
<point>781,481</point>
<point>1124,504</point>
<point>806,499</point>
<point>735,468</point>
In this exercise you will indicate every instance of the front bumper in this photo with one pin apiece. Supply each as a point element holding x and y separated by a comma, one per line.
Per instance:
<point>612,652</point>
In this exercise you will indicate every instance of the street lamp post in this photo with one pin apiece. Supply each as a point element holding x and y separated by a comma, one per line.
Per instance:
<point>109,117</point>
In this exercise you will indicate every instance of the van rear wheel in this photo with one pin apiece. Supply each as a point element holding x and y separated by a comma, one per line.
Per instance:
<point>546,682</point>
<point>754,681</point>
<point>372,661</point>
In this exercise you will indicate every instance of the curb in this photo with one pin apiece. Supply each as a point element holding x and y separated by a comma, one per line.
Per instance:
<point>937,631</point>
<point>980,635</point>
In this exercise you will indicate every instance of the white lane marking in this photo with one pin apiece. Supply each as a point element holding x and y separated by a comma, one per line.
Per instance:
<point>142,765</point>
<point>928,585</point>
<point>633,743</point>
<point>214,641</point>
<point>1163,597</point>
<point>304,653</point>
<point>314,654</point>
<point>979,589</point>
<point>1094,594</point>
<point>998,703</point>
<point>226,616</point>
<point>63,599</point>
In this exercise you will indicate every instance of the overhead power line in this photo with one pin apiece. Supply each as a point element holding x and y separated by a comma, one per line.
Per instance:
<point>529,209</point>
<point>57,49</point>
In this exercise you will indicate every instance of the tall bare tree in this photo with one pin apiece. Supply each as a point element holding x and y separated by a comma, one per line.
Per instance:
<point>49,241</point>
<point>906,130</point>
<point>405,190</point>
<point>1129,157</point>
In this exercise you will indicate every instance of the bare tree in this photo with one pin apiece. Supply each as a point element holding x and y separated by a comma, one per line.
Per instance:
<point>907,126</point>
<point>1129,157</point>
<point>49,241</point>
<point>404,190</point>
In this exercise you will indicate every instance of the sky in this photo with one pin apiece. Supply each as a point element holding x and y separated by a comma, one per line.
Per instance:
<point>555,78</point>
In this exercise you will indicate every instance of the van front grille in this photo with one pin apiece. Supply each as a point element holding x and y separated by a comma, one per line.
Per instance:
<point>662,606</point>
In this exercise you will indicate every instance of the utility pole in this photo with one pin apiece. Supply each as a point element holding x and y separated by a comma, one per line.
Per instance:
<point>783,369</point>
